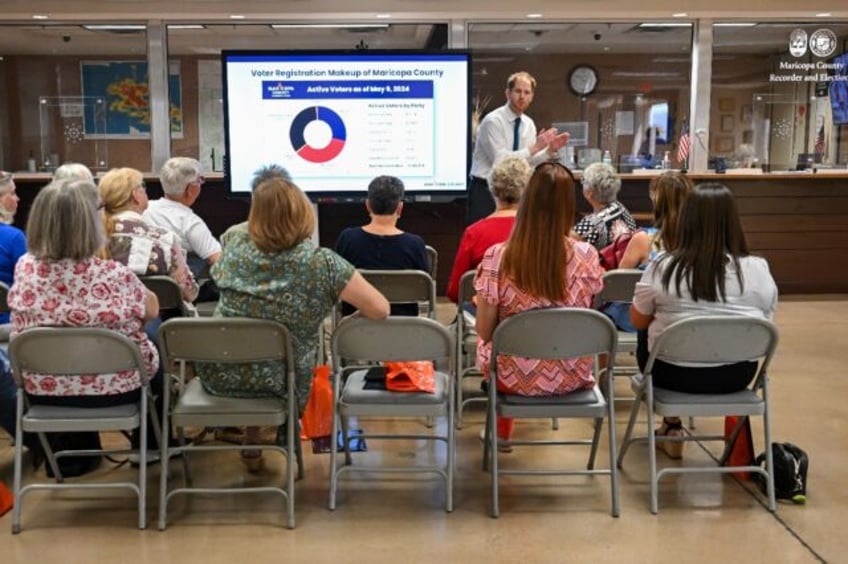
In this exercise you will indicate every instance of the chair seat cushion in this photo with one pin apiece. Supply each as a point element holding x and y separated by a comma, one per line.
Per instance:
<point>579,397</point>
<point>55,418</point>
<point>354,392</point>
<point>196,401</point>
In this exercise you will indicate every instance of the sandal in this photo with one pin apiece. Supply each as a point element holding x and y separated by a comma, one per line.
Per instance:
<point>252,458</point>
<point>672,449</point>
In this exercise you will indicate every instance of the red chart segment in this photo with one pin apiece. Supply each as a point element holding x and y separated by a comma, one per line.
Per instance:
<point>318,154</point>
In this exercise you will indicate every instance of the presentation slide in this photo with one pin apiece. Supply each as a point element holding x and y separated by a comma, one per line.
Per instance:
<point>336,120</point>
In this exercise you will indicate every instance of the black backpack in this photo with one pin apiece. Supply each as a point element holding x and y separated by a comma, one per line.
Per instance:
<point>790,472</point>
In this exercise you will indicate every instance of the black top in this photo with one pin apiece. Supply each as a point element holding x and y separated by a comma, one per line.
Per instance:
<point>383,252</point>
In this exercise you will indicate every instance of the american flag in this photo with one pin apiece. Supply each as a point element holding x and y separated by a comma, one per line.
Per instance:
<point>683,145</point>
<point>819,147</point>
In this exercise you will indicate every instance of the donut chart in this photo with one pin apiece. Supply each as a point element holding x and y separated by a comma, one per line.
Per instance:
<point>318,154</point>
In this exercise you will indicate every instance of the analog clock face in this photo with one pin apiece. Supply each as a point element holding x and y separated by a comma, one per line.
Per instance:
<point>582,80</point>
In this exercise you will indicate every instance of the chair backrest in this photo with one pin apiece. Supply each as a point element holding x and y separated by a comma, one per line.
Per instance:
<point>4,294</point>
<point>555,333</point>
<point>619,286</point>
<point>432,262</point>
<point>716,339</point>
<point>466,288</point>
<point>168,292</point>
<point>74,351</point>
<point>224,339</point>
<point>404,286</point>
<point>392,339</point>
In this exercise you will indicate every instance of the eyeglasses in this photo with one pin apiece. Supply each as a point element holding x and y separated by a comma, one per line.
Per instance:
<point>100,204</point>
<point>200,180</point>
<point>142,185</point>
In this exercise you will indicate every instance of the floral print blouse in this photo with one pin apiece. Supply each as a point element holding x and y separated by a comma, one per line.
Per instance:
<point>297,287</point>
<point>89,293</point>
<point>149,250</point>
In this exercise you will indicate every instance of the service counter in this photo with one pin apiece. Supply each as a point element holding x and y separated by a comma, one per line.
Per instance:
<point>798,221</point>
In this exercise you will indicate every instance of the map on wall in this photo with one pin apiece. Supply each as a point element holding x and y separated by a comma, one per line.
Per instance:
<point>124,86</point>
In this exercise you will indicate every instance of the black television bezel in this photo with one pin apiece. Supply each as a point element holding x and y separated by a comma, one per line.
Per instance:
<point>348,195</point>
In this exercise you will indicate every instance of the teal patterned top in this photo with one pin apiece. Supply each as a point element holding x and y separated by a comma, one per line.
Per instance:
<point>297,287</point>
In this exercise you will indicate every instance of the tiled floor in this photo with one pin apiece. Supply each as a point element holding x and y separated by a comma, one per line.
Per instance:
<point>391,518</point>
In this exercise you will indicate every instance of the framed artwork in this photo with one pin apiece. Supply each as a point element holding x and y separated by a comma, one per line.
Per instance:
<point>123,85</point>
<point>724,144</point>
<point>727,123</point>
<point>726,104</point>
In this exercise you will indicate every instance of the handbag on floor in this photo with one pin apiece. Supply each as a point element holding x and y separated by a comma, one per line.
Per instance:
<point>790,472</point>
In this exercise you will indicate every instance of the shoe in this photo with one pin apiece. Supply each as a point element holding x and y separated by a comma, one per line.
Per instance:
<point>503,446</point>
<point>672,449</point>
<point>152,458</point>
<point>252,458</point>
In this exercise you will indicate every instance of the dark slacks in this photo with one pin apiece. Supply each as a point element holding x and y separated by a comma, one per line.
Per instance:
<point>480,202</point>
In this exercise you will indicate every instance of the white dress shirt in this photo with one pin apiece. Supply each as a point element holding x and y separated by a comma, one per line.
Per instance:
<point>495,138</point>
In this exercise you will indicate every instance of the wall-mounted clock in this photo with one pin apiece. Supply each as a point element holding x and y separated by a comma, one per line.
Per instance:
<point>582,80</point>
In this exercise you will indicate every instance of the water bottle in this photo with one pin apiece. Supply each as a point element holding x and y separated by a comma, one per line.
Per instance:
<point>666,161</point>
<point>30,164</point>
<point>607,158</point>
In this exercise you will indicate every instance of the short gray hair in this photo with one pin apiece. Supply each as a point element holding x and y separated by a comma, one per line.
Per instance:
<point>73,171</point>
<point>602,182</point>
<point>267,172</point>
<point>509,178</point>
<point>64,222</point>
<point>177,173</point>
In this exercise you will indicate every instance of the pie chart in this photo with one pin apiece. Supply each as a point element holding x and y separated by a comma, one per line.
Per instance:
<point>331,119</point>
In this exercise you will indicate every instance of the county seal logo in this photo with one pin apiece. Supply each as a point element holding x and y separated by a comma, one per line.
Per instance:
<point>823,43</point>
<point>798,43</point>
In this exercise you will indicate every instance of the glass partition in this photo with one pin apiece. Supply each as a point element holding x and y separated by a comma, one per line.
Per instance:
<point>617,87</point>
<point>780,95</point>
<point>49,75</point>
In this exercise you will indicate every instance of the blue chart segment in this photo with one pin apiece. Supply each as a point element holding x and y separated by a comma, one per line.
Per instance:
<point>318,154</point>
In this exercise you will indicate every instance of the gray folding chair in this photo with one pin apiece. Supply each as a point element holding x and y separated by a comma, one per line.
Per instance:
<point>227,340</point>
<point>619,286</point>
<point>432,262</point>
<point>170,297</point>
<point>405,286</point>
<point>714,340</point>
<point>78,352</point>
<point>4,307</point>
<point>392,339</point>
<point>556,333</point>
<point>466,348</point>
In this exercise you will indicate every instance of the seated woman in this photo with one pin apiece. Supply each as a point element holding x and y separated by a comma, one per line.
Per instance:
<point>12,240</point>
<point>507,182</point>
<point>667,191</point>
<point>531,271</point>
<point>380,245</point>
<point>708,272</point>
<point>609,218</point>
<point>271,269</point>
<point>146,249</point>
<point>62,282</point>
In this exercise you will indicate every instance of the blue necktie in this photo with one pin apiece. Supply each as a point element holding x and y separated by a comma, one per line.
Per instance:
<point>515,134</point>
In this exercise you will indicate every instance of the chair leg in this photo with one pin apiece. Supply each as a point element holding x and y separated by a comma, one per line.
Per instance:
<point>625,442</point>
<point>292,439</point>
<point>50,456</point>
<point>331,505</point>
<point>616,504</point>
<point>596,439</point>
<point>19,449</point>
<point>451,455</point>
<point>554,424</point>
<point>772,504</point>
<point>652,454</point>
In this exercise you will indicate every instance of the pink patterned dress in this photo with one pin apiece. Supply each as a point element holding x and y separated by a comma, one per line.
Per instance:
<point>87,293</point>
<point>532,377</point>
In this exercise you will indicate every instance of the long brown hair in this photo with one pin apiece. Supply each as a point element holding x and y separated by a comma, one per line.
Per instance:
<point>668,192</point>
<point>534,257</point>
<point>710,230</point>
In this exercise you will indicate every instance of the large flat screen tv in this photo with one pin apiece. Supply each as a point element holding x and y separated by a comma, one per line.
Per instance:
<point>337,119</point>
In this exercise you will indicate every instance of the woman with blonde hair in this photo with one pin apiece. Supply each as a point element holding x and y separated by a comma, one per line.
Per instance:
<point>146,249</point>
<point>507,182</point>
<point>539,266</point>
<point>271,269</point>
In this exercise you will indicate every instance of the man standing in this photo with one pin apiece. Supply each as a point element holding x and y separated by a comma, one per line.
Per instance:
<point>504,131</point>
